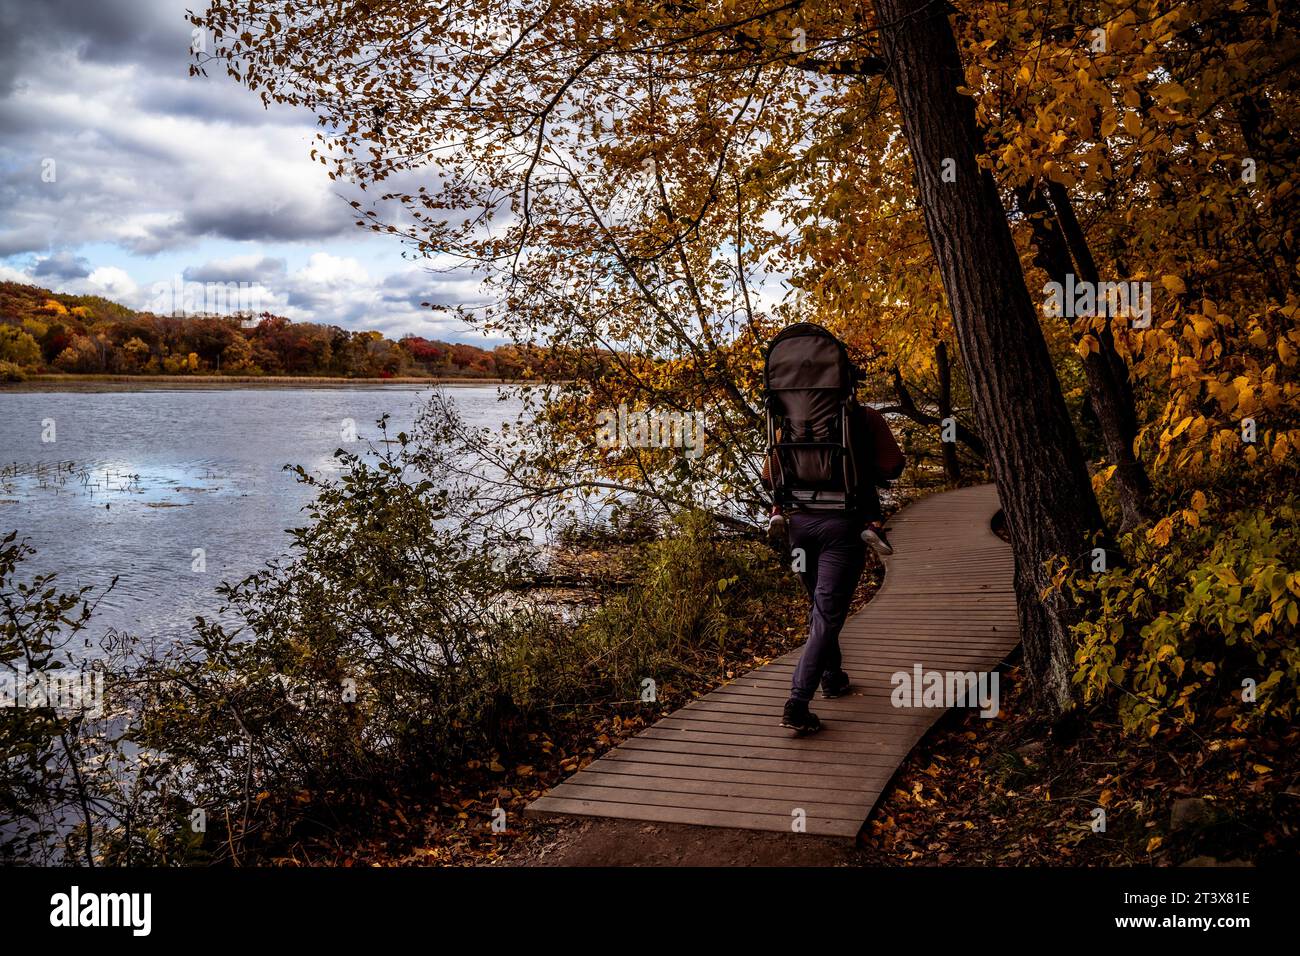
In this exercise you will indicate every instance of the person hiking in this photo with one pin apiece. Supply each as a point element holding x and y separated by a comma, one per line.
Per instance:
<point>827,458</point>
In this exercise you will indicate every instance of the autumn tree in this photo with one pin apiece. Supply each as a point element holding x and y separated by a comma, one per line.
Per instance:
<point>634,183</point>
<point>18,347</point>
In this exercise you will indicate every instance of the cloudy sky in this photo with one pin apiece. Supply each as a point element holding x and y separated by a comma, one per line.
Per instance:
<point>121,175</point>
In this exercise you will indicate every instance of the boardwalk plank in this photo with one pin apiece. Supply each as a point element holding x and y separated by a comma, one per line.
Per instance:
<point>708,794</point>
<point>729,755</point>
<point>848,785</point>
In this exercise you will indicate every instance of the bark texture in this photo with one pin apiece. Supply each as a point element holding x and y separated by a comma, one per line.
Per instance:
<point>951,466</point>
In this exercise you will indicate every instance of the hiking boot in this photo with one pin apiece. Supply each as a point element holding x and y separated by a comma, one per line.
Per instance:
<point>879,541</point>
<point>836,684</point>
<point>799,719</point>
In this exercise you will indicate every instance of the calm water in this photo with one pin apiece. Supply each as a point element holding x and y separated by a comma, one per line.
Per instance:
<point>156,474</point>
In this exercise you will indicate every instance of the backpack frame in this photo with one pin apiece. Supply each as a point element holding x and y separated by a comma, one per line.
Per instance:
<point>808,383</point>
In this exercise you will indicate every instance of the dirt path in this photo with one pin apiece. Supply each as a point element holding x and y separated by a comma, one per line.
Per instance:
<point>587,842</point>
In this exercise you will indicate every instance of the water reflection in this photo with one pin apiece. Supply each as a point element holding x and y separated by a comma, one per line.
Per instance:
<point>136,482</point>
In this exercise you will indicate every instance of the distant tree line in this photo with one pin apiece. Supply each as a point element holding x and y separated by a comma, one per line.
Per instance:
<point>44,332</point>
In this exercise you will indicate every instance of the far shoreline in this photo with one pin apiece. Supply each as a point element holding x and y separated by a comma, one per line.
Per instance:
<point>128,383</point>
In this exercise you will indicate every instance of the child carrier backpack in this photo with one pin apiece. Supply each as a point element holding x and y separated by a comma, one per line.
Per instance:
<point>808,383</point>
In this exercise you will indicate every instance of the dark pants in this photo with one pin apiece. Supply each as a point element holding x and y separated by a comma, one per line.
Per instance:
<point>834,555</point>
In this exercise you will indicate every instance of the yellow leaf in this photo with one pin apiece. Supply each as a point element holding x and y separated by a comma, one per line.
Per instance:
<point>1162,532</point>
<point>1174,284</point>
<point>1171,92</point>
<point>1154,843</point>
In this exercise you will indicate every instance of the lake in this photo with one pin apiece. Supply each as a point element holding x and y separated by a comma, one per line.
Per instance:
<point>135,481</point>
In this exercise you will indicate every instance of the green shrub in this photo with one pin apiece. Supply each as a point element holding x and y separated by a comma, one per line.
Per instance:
<point>691,602</point>
<point>48,776</point>
<point>371,656</point>
<point>1207,602</point>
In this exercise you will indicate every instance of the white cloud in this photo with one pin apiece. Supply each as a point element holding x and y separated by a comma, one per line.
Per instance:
<point>10,274</point>
<point>113,283</point>
<point>149,158</point>
<point>332,271</point>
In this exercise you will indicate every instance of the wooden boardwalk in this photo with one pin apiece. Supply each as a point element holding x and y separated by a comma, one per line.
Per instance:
<point>947,604</point>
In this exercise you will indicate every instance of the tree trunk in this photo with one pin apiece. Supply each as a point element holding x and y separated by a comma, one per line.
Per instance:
<point>1077,242</point>
<point>1257,121</point>
<point>951,466</point>
<point>1109,391</point>
<point>1034,453</point>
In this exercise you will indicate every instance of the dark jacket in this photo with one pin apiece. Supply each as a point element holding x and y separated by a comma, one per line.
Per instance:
<point>876,440</point>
